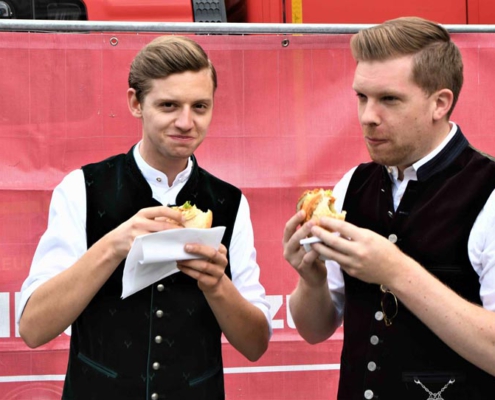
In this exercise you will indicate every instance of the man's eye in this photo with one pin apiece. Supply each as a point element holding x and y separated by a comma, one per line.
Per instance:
<point>389,99</point>
<point>167,105</point>
<point>360,96</point>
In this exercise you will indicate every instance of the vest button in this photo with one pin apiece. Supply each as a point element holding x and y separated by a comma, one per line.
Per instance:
<point>368,394</point>
<point>378,315</point>
<point>158,339</point>
<point>160,288</point>
<point>159,314</point>
<point>371,366</point>
<point>156,366</point>
<point>393,238</point>
<point>374,340</point>
<point>154,396</point>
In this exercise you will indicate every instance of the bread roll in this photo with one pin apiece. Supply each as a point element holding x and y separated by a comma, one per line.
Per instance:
<point>318,203</point>
<point>194,217</point>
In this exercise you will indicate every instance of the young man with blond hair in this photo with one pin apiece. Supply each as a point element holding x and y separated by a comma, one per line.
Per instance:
<point>163,342</point>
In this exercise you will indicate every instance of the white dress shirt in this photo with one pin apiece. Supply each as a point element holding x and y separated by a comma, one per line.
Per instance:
<point>64,241</point>
<point>481,243</point>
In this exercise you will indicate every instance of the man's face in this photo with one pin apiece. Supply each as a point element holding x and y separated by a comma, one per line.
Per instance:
<point>395,114</point>
<point>176,114</point>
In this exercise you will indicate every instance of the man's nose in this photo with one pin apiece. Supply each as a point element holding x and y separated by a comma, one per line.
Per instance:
<point>184,120</point>
<point>369,113</point>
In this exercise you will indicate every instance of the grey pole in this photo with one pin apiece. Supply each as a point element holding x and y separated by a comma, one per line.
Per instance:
<point>203,28</point>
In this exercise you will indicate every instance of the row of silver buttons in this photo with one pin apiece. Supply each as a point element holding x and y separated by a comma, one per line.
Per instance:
<point>374,340</point>
<point>158,339</point>
<point>368,394</point>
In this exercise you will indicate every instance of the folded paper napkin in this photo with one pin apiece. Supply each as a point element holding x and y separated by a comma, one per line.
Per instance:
<point>154,256</point>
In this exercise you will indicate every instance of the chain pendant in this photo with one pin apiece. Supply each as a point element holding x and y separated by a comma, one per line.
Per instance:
<point>431,395</point>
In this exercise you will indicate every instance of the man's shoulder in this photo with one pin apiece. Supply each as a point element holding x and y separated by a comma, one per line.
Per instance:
<point>484,155</point>
<point>107,167</point>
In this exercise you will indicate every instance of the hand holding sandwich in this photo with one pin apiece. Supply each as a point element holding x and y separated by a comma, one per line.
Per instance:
<point>361,253</point>
<point>311,299</point>
<point>146,220</point>
<point>312,205</point>
<point>210,268</point>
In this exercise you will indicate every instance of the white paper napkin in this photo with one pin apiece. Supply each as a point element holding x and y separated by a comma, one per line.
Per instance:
<point>306,243</point>
<point>154,256</point>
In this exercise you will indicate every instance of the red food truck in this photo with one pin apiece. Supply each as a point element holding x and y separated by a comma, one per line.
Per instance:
<point>250,11</point>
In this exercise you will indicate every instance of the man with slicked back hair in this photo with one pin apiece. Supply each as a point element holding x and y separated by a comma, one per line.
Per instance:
<point>164,341</point>
<point>411,271</point>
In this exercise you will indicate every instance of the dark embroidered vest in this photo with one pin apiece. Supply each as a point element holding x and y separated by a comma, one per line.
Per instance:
<point>162,342</point>
<point>432,225</point>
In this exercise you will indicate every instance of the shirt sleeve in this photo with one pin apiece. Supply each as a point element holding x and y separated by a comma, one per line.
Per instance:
<point>335,277</point>
<point>64,240</point>
<point>244,268</point>
<point>481,248</point>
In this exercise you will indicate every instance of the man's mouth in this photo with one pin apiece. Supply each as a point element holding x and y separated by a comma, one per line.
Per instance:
<point>181,138</point>
<point>374,141</point>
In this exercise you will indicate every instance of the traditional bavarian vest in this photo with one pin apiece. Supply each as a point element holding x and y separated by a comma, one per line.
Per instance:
<point>162,342</point>
<point>432,225</point>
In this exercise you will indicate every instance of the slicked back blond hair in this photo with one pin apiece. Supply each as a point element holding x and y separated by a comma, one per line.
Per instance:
<point>437,61</point>
<point>164,56</point>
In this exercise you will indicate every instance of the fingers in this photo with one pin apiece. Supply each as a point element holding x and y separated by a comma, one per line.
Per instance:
<point>162,213</point>
<point>201,269</point>
<point>155,219</point>
<point>207,252</point>
<point>337,225</point>
<point>293,236</point>
<point>306,264</point>
<point>333,245</point>
<point>361,253</point>
<point>292,224</point>
<point>310,268</point>
<point>209,270</point>
<point>146,220</point>
<point>212,261</point>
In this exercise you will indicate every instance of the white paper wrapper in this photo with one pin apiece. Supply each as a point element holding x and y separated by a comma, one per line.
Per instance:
<point>306,243</point>
<point>154,256</point>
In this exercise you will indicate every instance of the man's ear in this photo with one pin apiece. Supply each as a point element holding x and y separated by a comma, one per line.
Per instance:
<point>444,99</point>
<point>133,103</point>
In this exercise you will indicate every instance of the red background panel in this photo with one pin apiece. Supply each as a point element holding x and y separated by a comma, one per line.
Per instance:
<point>284,121</point>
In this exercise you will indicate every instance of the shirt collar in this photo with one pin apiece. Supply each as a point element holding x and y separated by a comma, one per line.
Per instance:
<point>155,177</point>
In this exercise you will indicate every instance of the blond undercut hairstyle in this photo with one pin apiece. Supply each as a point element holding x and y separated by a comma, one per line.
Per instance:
<point>437,61</point>
<point>164,56</point>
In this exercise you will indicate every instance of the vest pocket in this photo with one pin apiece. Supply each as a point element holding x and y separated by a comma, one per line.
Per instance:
<point>206,375</point>
<point>96,366</point>
<point>433,376</point>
